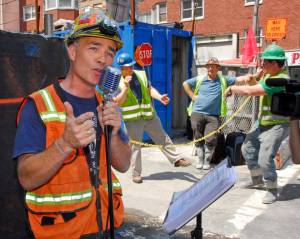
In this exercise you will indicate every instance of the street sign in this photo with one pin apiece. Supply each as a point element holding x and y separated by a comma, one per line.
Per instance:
<point>276,28</point>
<point>293,58</point>
<point>143,54</point>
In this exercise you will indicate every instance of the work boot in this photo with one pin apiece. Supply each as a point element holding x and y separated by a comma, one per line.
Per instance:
<point>255,181</point>
<point>206,165</point>
<point>137,179</point>
<point>182,163</point>
<point>207,157</point>
<point>200,153</point>
<point>271,196</point>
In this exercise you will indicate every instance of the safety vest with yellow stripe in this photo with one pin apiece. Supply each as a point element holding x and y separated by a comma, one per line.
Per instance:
<point>265,116</point>
<point>65,205</point>
<point>223,88</point>
<point>131,109</point>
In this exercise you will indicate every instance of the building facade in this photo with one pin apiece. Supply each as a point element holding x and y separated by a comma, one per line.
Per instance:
<point>220,27</point>
<point>60,9</point>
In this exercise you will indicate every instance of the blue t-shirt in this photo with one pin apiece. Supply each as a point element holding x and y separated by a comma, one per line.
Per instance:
<point>209,96</point>
<point>31,131</point>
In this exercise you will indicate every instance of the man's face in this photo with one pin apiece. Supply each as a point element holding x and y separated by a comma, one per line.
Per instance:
<point>212,71</point>
<point>127,70</point>
<point>89,56</point>
<point>270,67</point>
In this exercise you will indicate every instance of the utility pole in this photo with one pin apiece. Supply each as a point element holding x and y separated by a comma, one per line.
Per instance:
<point>255,18</point>
<point>132,17</point>
<point>255,101</point>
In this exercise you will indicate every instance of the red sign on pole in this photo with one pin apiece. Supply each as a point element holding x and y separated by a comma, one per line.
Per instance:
<point>143,54</point>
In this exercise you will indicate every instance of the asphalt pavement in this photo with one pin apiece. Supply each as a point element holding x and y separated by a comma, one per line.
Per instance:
<point>239,213</point>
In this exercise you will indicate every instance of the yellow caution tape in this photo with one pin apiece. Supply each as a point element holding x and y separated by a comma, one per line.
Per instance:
<point>204,137</point>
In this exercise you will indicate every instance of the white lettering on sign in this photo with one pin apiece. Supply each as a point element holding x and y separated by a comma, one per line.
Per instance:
<point>144,54</point>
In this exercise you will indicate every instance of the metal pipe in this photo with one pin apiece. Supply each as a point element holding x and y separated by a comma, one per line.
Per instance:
<point>48,24</point>
<point>255,17</point>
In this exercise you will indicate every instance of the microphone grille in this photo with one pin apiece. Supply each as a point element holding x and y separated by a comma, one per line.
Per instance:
<point>112,82</point>
<point>110,79</point>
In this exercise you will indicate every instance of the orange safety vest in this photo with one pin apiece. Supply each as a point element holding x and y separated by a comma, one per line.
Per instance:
<point>65,207</point>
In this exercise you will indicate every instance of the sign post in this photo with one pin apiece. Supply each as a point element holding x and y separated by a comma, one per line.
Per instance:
<point>276,29</point>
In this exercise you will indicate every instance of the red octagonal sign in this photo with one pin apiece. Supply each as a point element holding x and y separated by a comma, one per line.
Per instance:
<point>143,54</point>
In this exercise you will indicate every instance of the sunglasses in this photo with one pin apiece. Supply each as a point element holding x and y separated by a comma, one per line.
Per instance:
<point>211,66</point>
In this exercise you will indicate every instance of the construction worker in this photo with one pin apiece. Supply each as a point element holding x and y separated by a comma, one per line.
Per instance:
<point>263,140</point>
<point>60,144</point>
<point>139,115</point>
<point>207,105</point>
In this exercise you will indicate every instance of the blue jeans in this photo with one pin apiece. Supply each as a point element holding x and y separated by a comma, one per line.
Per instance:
<point>259,150</point>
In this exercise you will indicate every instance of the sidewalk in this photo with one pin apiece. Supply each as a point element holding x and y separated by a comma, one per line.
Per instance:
<point>237,214</point>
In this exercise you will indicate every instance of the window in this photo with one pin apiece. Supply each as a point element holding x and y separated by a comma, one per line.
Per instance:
<point>145,17</point>
<point>191,7</point>
<point>162,12</point>
<point>159,13</point>
<point>29,13</point>
<point>65,4</point>
<point>251,2</point>
<point>61,4</point>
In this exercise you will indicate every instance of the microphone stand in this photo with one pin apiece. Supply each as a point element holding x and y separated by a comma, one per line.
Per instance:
<point>107,86</point>
<point>107,132</point>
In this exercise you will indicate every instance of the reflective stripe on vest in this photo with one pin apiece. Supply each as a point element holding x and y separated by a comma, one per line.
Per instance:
<point>115,183</point>
<point>265,115</point>
<point>52,199</point>
<point>223,88</point>
<point>51,114</point>
<point>134,116</point>
<point>131,109</point>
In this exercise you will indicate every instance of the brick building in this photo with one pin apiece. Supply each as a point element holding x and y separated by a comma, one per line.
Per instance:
<point>9,15</point>
<point>220,27</point>
<point>60,9</point>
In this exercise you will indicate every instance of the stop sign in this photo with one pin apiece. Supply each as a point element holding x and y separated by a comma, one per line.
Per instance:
<point>143,54</point>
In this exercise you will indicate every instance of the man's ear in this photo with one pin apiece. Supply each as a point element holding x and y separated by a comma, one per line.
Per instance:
<point>72,51</point>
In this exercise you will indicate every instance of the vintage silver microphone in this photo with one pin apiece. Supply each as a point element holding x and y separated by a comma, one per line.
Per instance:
<point>108,85</point>
<point>109,82</point>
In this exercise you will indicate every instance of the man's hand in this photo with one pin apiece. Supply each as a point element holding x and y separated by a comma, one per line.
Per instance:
<point>260,72</point>
<point>228,92</point>
<point>127,80</point>
<point>253,79</point>
<point>164,99</point>
<point>79,131</point>
<point>108,115</point>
